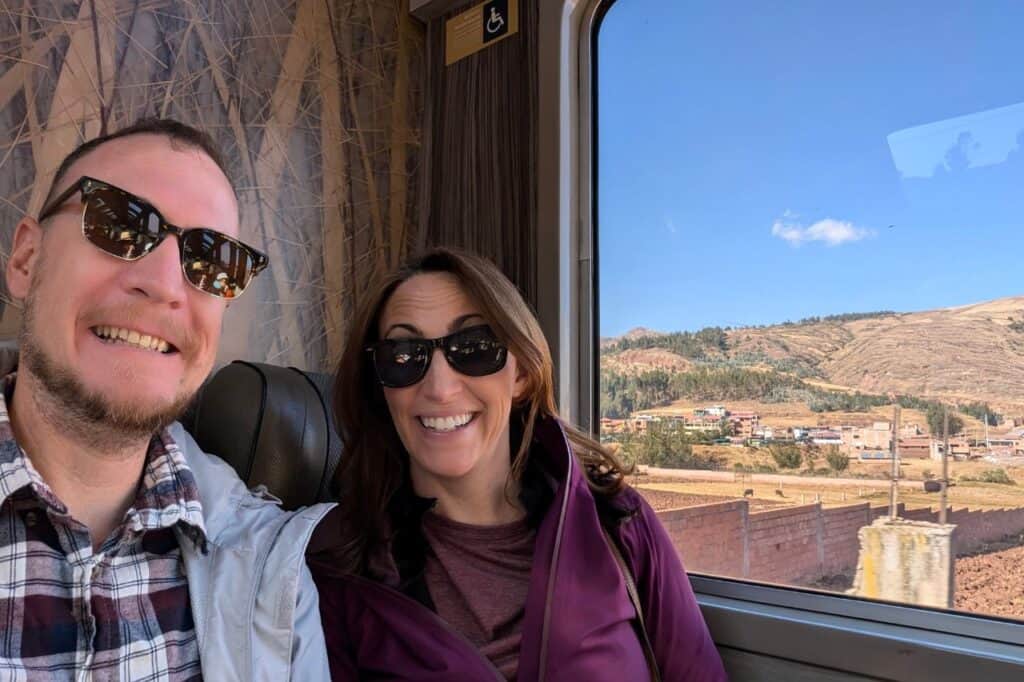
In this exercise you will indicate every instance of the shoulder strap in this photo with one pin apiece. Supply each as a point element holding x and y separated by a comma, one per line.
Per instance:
<point>634,596</point>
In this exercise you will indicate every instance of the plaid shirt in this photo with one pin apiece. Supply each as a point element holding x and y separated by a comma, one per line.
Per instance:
<point>120,613</point>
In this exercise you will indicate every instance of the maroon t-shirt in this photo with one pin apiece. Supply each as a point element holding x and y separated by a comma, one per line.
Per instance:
<point>478,577</point>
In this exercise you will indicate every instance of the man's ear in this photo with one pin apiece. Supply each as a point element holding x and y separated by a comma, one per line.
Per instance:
<point>25,250</point>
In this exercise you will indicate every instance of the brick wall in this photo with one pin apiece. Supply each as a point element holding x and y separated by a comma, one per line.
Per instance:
<point>710,538</point>
<point>785,544</point>
<point>800,544</point>
<point>840,539</point>
<point>974,528</point>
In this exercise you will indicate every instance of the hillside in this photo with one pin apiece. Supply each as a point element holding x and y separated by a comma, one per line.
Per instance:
<point>635,333</point>
<point>638,360</point>
<point>963,354</point>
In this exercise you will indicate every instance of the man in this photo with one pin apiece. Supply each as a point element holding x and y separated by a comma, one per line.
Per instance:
<point>125,552</point>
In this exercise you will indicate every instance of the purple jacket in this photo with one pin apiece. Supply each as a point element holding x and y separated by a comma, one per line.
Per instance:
<point>578,619</point>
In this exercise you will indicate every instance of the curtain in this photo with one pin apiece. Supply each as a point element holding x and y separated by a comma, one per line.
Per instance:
<point>480,149</point>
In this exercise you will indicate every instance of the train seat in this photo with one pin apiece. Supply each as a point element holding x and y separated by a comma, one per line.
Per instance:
<point>273,425</point>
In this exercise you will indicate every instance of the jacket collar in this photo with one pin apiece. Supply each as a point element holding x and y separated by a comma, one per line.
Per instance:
<point>221,491</point>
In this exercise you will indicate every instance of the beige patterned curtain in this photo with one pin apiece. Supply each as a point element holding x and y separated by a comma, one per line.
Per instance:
<point>317,104</point>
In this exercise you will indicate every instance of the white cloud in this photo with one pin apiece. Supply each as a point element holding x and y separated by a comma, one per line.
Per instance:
<point>832,232</point>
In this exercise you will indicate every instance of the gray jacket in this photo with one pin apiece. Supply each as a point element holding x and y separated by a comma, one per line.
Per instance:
<point>253,601</point>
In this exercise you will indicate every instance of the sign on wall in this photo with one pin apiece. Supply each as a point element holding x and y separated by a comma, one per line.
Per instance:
<point>478,27</point>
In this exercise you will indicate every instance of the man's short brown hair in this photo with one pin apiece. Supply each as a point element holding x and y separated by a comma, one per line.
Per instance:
<point>178,133</point>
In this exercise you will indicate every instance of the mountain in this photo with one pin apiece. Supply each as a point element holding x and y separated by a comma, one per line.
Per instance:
<point>968,353</point>
<point>632,334</point>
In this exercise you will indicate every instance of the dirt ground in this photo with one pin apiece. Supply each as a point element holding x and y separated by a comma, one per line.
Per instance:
<point>989,581</point>
<point>662,500</point>
<point>992,581</point>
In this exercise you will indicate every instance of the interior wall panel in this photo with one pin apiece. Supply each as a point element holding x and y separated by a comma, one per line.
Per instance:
<point>318,105</point>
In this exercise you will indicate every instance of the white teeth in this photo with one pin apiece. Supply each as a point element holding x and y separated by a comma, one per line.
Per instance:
<point>444,424</point>
<point>132,338</point>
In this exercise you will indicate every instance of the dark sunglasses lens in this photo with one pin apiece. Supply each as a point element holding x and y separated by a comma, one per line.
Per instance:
<point>475,352</point>
<point>400,362</point>
<point>118,225</point>
<point>216,264</point>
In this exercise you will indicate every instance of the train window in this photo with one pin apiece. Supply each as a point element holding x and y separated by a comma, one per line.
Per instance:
<point>807,227</point>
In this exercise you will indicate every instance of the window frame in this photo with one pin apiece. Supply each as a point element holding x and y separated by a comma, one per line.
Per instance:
<point>744,615</point>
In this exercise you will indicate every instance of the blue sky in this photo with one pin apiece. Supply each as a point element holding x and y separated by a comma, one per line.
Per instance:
<point>751,159</point>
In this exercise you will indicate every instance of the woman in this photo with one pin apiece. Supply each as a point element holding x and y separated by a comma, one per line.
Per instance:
<point>478,537</point>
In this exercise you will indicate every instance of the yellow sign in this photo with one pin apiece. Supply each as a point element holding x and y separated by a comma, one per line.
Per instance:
<point>479,27</point>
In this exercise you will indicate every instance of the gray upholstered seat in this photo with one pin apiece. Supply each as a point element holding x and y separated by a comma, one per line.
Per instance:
<point>273,425</point>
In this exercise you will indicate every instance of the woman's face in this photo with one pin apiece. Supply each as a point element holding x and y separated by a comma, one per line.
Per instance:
<point>455,427</point>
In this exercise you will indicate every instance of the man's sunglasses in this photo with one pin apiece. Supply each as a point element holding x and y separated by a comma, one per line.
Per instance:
<point>128,228</point>
<point>473,351</point>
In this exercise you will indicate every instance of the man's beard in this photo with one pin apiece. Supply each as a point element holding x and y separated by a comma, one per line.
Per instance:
<point>88,417</point>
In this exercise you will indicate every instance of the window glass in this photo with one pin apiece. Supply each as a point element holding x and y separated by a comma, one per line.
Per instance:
<point>809,222</point>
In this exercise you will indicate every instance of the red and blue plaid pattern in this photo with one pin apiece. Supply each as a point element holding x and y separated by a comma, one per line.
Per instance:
<point>121,613</point>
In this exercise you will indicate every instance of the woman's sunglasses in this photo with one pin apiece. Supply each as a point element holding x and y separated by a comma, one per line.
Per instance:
<point>473,351</point>
<point>128,228</point>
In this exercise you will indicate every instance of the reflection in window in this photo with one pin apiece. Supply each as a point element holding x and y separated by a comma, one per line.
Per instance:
<point>808,225</point>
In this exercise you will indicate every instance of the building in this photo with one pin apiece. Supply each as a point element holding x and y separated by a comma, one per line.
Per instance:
<point>744,423</point>
<point>958,448</point>
<point>878,436</point>
<point>826,437</point>
<point>915,447</point>
<point>716,411</point>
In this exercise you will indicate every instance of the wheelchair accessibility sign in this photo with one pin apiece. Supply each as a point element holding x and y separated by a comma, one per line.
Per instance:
<point>495,23</point>
<point>478,27</point>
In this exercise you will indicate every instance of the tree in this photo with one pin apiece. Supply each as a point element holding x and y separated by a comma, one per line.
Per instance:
<point>667,444</point>
<point>810,456</point>
<point>837,461</point>
<point>786,456</point>
<point>982,412</point>
<point>935,416</point>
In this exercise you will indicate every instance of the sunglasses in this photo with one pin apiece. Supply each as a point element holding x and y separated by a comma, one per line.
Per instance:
<point>474,351</point>
<point>127,227</point>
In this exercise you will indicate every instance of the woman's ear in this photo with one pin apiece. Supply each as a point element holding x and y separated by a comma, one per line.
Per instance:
<point>520,389</point>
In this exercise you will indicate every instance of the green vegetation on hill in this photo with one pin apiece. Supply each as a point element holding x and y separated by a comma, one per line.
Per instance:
<point>982,412</point>
<point>760,368</point>
<point>842,317</point>
<point>621,394</point>
<point>936,417</point>
<point>694,345</point>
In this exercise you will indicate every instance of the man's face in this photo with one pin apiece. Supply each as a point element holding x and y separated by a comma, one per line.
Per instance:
<point>78,298</point>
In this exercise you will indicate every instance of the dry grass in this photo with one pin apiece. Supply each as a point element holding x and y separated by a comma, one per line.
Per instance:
<point>975,495</point>
<point>956,354</point>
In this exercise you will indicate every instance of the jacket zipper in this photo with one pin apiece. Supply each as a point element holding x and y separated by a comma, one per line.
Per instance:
<point>441,621</point>
<point>555,555</point>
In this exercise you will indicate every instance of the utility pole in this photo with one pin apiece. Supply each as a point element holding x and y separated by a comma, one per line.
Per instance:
<point>988,443</point>
<point>894,448</point>
<point>945,463</point>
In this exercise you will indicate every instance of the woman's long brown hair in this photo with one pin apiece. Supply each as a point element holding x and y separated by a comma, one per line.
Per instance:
<point>374,461</point>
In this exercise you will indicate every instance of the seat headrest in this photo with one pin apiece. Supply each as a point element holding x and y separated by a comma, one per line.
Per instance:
<point>273,425</point>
